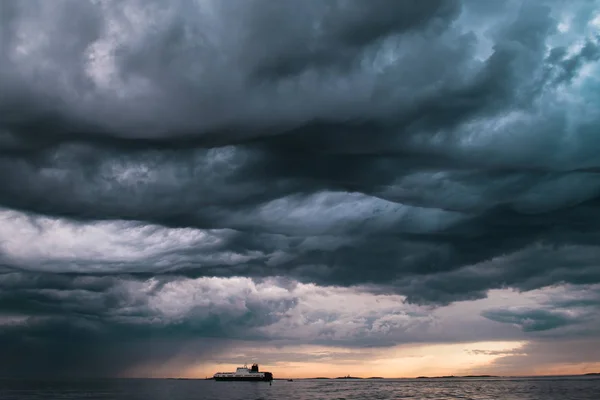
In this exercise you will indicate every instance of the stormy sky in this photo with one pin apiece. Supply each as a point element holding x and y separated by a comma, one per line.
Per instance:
<point>325,187</point>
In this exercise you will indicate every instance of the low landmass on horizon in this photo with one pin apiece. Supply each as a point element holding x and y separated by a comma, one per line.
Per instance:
<point>443,377</point>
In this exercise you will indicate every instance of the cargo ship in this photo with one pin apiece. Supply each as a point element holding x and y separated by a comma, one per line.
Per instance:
<point>244,374</point>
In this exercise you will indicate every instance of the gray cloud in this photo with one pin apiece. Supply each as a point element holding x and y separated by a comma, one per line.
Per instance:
<point>562,326</point>
<point>494,352</point>
<point>113,325</point>
<point>547,357</point>
<point>531,320</point>
<point>78,348</point>
<point>570,313</point>
<point>431,150</point>
<point>101,326</point>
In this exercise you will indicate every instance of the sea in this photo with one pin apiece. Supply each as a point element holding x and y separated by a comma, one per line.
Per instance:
<point>546,388</point>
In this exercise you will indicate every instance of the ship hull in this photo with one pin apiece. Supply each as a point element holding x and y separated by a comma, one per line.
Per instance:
<point>244,378</point>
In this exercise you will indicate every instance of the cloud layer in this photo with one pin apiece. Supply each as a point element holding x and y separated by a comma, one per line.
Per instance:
<point>432,151</point>
<point>115,323</point>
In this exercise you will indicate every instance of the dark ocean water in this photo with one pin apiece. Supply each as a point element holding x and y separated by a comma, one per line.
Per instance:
<point>559,388</point>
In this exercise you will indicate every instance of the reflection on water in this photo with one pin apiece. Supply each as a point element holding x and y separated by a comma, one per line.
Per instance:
<point>559,388</point>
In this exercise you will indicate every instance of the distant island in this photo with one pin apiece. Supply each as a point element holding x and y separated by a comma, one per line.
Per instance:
<point>419,377</point>
<point>452,376</point>
<point>356,377</point>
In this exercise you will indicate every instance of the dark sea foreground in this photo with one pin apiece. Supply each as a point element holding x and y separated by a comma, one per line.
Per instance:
<point>563,388</point>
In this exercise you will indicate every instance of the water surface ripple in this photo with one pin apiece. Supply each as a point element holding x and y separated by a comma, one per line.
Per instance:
<point>555,388</point>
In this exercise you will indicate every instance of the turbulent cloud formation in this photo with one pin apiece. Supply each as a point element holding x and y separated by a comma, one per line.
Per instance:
<point>572,309</point>
<point>431,151</point>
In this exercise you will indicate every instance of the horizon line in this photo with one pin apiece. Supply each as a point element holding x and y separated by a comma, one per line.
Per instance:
<point>321,377</point>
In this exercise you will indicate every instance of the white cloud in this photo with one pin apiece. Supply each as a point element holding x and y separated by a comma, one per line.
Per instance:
<point>46,243</point>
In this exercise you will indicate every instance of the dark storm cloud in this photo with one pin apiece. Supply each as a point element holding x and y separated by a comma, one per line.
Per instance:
<point>534,267</point>
<point>107,326</point>
<point>432,149</point>
<point>353,122</point>
<point>145,302</point>
<point>531,320</point>
<point>238,81</point>
<point>569,314</point>
<point>78,348</point>
<point>103,326</point>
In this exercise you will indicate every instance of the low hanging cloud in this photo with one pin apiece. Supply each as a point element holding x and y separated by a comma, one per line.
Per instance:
<point>532,320</point>
<point>122,323</point>
<point>432,151</point>
<point>542,357</point>
<point>570,312</point>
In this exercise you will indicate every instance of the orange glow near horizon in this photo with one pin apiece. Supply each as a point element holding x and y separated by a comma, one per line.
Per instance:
<point>565,369</point>
<point>396,362</point>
